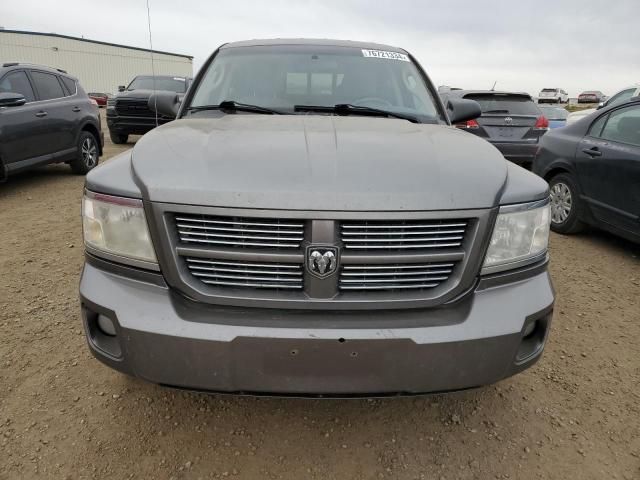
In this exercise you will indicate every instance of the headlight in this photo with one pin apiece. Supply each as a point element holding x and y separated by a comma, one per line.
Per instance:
<point>116,228</point>
<point>520,236</point>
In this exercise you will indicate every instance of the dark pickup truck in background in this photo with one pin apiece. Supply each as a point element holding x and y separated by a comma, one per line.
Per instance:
<point>127,112</point>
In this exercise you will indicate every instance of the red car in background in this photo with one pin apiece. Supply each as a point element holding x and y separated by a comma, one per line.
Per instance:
<point>590,96</point>
<point>100,98</point>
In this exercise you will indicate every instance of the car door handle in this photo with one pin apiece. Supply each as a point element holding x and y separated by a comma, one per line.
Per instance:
<point>592,152</point>
<point>76,109</point>
<point>41,114</point>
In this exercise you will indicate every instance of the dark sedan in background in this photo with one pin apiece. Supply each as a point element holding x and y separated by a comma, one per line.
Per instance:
<point>512,122</point>
<point>593,169</point>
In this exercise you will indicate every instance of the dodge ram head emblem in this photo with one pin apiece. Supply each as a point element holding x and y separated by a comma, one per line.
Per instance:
<point>322,261</point>
<point>508,120</point>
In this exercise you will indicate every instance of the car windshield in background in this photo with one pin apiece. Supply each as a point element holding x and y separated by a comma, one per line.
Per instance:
<point>283,77</point>
<point>554,113</point>
<point>173,84</point>
<point>499,103</point>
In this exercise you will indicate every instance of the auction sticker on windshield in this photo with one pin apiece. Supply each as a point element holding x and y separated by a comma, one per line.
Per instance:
<point>385,55</point>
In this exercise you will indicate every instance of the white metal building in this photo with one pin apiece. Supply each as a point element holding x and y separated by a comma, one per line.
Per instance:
<point>100,66</point>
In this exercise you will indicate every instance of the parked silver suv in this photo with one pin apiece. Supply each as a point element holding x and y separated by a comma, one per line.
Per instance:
<point>312,224</point>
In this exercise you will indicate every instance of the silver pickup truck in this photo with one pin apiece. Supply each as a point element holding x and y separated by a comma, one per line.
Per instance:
<point>312,224</point>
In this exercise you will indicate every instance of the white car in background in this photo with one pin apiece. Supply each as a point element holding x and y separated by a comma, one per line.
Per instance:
<point>553,95</point>
<point>622,96</point>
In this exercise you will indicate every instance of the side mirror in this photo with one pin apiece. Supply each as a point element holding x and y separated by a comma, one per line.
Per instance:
<point>165,103</point>
<point>121,88</point>
<point>461,110</point>
<point>10,99</point>
<point>600,105</point>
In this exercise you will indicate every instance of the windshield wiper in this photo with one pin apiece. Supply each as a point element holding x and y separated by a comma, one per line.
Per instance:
<point>347,108</point>
<point>496,111</point>
<point>233,106</point>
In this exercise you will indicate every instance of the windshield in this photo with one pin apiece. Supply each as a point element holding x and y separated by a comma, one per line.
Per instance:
<point>554,113</point>
<point>505,103</point>
<point>172,84</point>
<point>281,77</point>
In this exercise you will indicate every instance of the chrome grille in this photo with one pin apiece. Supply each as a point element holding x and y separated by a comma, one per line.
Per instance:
<point>232,273</point>
<point>403,235</point>
<point>395,277</point>
<point>239,232</point>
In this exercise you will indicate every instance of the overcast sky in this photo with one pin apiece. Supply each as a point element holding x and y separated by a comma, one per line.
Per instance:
<point>574,44</point>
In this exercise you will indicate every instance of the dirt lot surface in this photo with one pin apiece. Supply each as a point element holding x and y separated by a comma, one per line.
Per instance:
<point>63,415</point>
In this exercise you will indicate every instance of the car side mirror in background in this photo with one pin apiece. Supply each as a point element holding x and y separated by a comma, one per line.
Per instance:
<point>601,105</point>
<point>461,110</point>
<point>165,103</point>
<point>121,88</point>
<point>10,99</point>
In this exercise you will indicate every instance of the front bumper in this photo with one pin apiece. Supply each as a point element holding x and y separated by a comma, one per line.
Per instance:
<point>167,339</point>
<point>132,125</point>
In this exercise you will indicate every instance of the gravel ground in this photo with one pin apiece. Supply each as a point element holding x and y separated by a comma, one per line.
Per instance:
<point>63,415</point>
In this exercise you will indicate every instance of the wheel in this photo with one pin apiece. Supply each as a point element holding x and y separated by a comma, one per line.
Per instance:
<point>87,155</point>
<point>118,138</point>
<point>566,205</point>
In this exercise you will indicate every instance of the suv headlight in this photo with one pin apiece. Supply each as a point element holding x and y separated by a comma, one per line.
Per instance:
<point>520,236</point>
<point>116,228</point>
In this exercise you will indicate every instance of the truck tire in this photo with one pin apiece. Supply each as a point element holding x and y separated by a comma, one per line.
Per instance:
<point>87,155</point>
<point>566,206</point>
<point>118,138</point>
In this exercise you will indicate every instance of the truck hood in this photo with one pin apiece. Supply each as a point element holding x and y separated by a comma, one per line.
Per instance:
<point>317,162</point>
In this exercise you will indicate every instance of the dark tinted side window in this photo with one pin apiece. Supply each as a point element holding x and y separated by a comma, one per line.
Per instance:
<point>504,103</point>
<point>17,82</point>
<point>623,126</point>
<point>47,85</point>
<point>596,127</point>
<point>69,84</point>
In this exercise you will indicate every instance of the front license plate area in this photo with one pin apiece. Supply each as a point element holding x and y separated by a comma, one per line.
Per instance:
<point>326,366</point>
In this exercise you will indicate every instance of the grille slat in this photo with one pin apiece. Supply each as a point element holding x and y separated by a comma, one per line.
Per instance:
<point>394,277</point>
<point>409,232</point>
<point>394,274</point>
<point>246,274</point>
<point>278,223</point>
<point>403,235</point>
<point>389,287</point>
<point>250,237</point>
<point>391,226</point>
<point>239,232</point>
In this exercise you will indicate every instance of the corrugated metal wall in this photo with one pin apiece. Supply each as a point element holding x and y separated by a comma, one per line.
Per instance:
<point>100,68</point>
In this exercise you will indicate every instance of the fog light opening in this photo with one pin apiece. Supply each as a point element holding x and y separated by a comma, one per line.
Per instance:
<point>106,326</point>
<point>529,330</point>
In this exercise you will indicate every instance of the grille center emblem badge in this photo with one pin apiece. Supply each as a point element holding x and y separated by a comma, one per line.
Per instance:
<point>322,261</point>
<point>508,120</point>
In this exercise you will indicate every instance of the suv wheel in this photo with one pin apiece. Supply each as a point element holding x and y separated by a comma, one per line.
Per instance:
<point>118,138</point>
<point>88,154</point>
<point>565,205</point>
